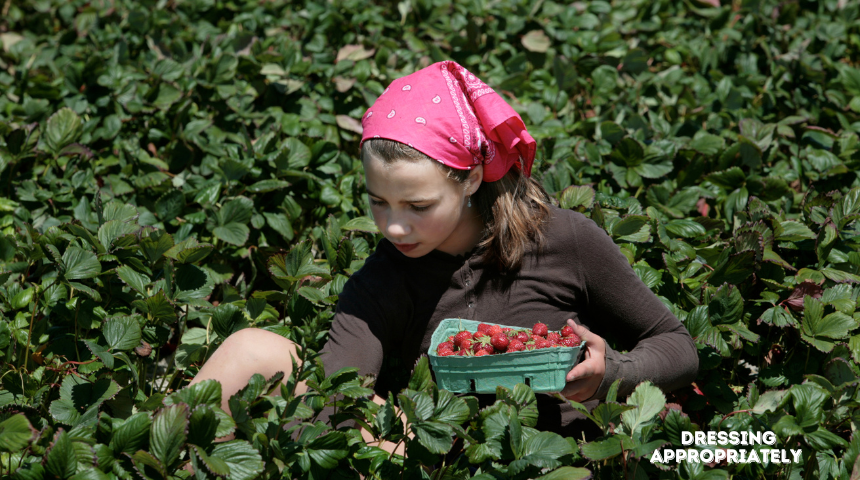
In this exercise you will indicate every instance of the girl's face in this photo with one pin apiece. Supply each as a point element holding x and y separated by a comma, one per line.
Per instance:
<point>419,210</point>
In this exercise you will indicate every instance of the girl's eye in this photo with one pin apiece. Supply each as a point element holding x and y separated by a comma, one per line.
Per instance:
<point>414,207</point>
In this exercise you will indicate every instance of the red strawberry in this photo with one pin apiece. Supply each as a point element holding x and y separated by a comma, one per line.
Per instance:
<point>444,346</point>
<point>537,337</point>
<point>566,331</point>
<point>464,335</point>
<point>553,336</point>
<point>481,353</point>
<point>523,336</point>
<point>506,329</point>
<point>466,344</point>
<point>464,353</point>
<point>494,329</point>
<point>451,339</point>
<point>516,346</point>
<point>483,347</point>
<point>571,341</point>
<point>483,328</point>
<point>479,334</point>
<point>500,341</point>
<point>446,353</point>
<point>530,346</point>
<point>540,329</point>
<point>543,343</point>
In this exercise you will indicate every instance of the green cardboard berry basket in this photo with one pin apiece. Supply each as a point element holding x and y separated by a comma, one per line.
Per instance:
<point>543,370</point>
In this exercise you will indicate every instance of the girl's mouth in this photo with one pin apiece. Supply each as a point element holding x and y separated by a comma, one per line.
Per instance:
<point>405,247</point>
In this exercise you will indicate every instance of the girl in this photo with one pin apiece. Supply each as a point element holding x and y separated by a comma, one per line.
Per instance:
<point>470,234</point>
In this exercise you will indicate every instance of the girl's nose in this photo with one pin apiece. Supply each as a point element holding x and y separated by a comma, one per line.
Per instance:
<point>398,227</point>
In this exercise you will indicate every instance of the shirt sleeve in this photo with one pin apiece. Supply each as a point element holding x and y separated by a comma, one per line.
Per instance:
<point>364,322</point>
<point>660,347</point>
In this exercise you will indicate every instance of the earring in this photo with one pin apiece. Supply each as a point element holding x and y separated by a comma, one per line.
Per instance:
<point>470,202</point>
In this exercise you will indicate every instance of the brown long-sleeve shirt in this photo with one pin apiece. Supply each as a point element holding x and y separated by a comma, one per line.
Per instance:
<point>394,303</point>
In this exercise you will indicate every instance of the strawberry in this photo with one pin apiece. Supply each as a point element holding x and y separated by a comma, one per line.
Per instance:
<point>543,343</point>
<point>516,346</point>
<point>537,337</point>
<point>571,341</point>
<point>466,344</point>
<point>523,336</point>
<point>483,328</point>
<point>553,337</point>
<point>506,329</point>
<point>464,353</point>
<point>566,331</point>
<point>464,335</point>
<point>446,353</point>
<point>540,329</point>
<point>494,329</point>
<point>479,347</point>
<point>444,346</point>
<point>500,341</point>
<point>481,353</point>
<point>530,346</point>
<point>479,334</point>
<point>451,339</point>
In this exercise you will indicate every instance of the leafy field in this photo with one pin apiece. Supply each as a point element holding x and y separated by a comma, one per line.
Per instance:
<point>174,171</point>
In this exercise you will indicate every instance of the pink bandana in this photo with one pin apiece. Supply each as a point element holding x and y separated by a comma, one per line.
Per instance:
<point>452,116</point>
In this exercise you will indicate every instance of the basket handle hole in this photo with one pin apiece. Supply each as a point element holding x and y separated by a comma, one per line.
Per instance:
<point>528,381</point>
<point>472,384</point>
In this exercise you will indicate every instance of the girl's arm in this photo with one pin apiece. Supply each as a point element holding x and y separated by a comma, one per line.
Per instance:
<point>660,348</point>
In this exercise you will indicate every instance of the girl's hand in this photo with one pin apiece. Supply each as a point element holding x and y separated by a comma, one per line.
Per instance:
<point>585,378</point>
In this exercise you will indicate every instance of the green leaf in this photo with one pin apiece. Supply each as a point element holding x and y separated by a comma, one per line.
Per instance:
<point>133,279</point>
<point>434,436</point>
<point>227,318</point>
<point>215,466</point>
<point>568,473</point>
<point>421,380</point>
<point>64,127</point>
<point>168,432</point>
<point>360,224</point>
<point>60,460</point>
<point>80,264</point>
<point>735,269</point>
<point>628,152</point>
<point>112,230</point>
<point>576,196</point>
<point>602,449</point>
<point>206,392</point>
<point>122,333</point>
<point>536,41</point>
<point>132,434</point>
<point>244,461</point>
<point>543,450</point>
<point>685,228</point>
<point>729,179</point>
<point>16,433</point>
<point>233,233</point>
<point>170,205</point>
<point>707,144</point>
<point>629,224</point>
<point>237,211</point>
<point>155,245</point>
<point>649,401</point>
<point>202,425</point>
<point>726,306</point>
<point>327,450</point>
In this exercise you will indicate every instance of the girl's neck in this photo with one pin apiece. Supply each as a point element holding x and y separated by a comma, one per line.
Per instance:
<point>468,234</point>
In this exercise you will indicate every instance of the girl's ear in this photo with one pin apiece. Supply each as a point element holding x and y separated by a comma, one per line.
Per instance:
<point>475,179</point>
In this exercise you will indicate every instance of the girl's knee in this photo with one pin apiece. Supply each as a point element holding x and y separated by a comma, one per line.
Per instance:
<point>258,341</point>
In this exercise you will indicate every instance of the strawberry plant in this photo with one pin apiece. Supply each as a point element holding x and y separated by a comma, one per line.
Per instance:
<point>173,172</point>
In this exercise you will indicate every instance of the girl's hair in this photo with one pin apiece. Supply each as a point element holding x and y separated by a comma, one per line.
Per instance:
<point>514,209</point>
